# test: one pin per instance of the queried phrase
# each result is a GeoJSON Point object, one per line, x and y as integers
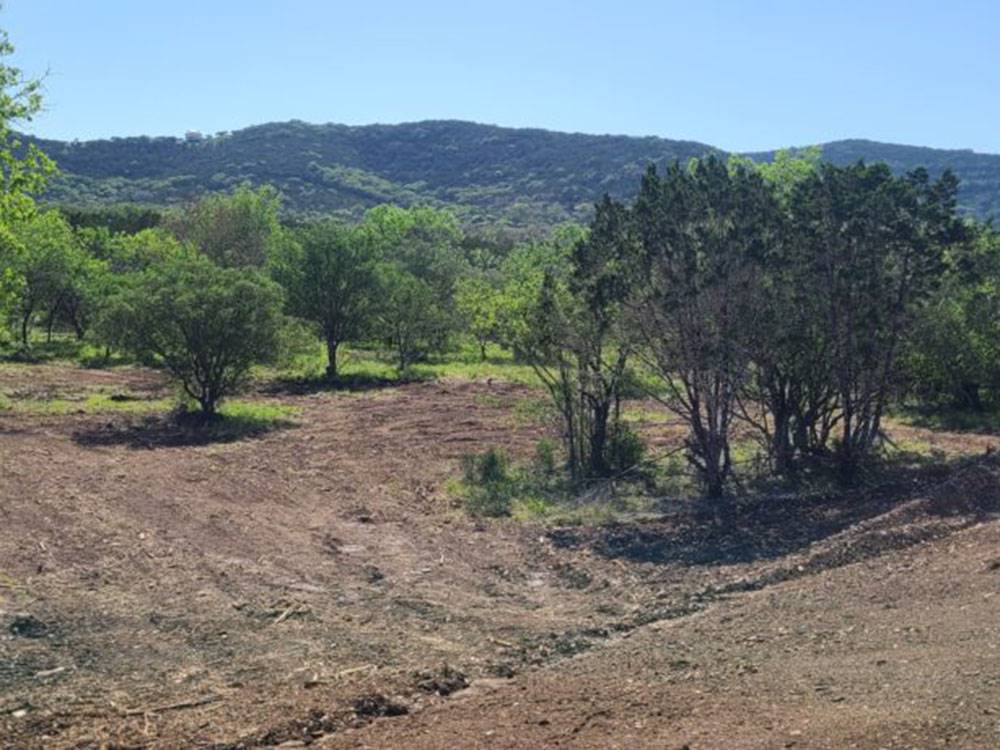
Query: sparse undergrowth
{"type": "Point", "coordinates": [540, 491]}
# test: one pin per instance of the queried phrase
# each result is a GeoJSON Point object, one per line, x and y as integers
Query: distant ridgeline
{"type": "Point", "coordinates": [485, 174]}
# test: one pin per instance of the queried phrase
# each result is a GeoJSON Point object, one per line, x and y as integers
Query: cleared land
{"type": "Point", "coordinates": [307, 576]}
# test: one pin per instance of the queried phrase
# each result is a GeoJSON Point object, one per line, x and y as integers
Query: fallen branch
{"type": "Point", "coordinates": [295, 609]}
{"type": "Point", "coordinates": [49, 672]}
{"type": "Point", "coordinates": [354, 670]}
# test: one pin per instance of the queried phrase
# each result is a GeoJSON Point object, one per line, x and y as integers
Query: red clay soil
{"type": "Point", "coordinates": [315, 584]}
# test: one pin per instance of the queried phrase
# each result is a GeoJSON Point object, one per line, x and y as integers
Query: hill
{"type": "Point", "coordinates": [522, 177]}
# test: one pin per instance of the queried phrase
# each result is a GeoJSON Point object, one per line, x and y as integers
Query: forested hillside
{"type": "Point", "coordinates": [521, 177]}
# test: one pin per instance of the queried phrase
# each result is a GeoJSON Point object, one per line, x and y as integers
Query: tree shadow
{"type": "Point", "coordinates": [179, 430]}
{"type": "Point", "coordinates": [768, 526]}
{"type": "Point", "coordinates": [42, 351]}
{"type": "Point", "coordinates": [358, 383]}
{"type": "Point", "coordinates": [981, 422]}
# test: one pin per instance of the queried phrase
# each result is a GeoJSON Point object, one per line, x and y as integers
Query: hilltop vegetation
{"type": "Point", "coordinates": [487, 175]}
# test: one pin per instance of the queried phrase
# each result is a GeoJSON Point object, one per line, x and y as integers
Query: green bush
{"type": "Point", "coordinates": [206, 326]}
{"type": "Point", "coordinates": [489, 485]}
{"type": "Point", "coordinates": [625, 448]}
{"type": "Point", "coordinates": [545, 458]}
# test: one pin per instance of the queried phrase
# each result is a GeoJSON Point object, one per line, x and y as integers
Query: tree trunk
{"type": "Point", "coordinates": [25, 326]}
{"type": "Point", "coordinates": [781, 445]}
{"type": "Point", "coordinates": [331, 358]}
{"type": "Point", "coordinates": [599, 440]}
{"type": "Point", "coordinates": [971, 397]}
{"type": "Point", "coordinates": [207, 405]}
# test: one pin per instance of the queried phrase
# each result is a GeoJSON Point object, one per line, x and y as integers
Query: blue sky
{"type": "Point", "coordinates": [739, 75]}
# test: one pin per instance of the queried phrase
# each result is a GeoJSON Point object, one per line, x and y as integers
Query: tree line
{"type": "Point", "coordinates": [796, 299]}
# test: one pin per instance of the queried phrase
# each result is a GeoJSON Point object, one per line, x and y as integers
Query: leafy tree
{"type": "Point", "coordinates": [409, 316]}
{"type": "Point", "coordinates": [46, 264]}
{"type": "Point", "coordinates": [703, 230]}
{"type": "Point", "coordinates": [24, 172]}
{"type": "Point", "coordinates": [89, 285]}
{"type": "Point", "coordinates": [565, 317]}
{"type": "Point", "coordinates": [424, 243]}
{"type": "Point", "coordinates": [239, 230]}
{"type": "Point", "coordinates": [126, 253]}
{"type": "Point", "coordinates": [24, 168]}
{"type": "Point", "coordinates": [953, 354]}
{"type": "Point", "coordinates": [205, 325]}
{"type": "Point", "coordinates": [478, 303]}
{"type": "Point", "coordinates": [11, 280]}
{"type": "Point", "coordinates": [790, 397]}
{"type": "Point", "coordinates": [874, 248]}
{"type": "Point", "coordinates": [331, 279]}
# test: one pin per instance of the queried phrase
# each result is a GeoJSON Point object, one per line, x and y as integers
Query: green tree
{"type": "Point", "coordinates": [565, 315]}
{"type": "Point", "coordinates": [478, 304]}
{"type": "Point", "coordinates": [24, 171]}
{"type": "Point", "coordinates": [873, 248]}
{"type": "Point", "coordinates": [409, 316]}
{"type": "Point", "coordinates": [703, 230]}
{"type": "Point", "coordinates": [239, 230]}
{"type": "Point", "coordinates": [425, 244]}
{"type": "Point", "coordinates": [46, 263]}
{"type": "Point", "coordinates": [207, 326]}
{"type": "Point", "coordinates": [330, 278]}
{"type": "Point", "coordinates": [953, 353]}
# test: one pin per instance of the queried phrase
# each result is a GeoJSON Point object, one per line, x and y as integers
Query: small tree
{"type": "Point", "coordinates": [330, 278]}
{"type": "Point", "coordinates": [206, 325]}
{"type": "Point", "coordinates": [703, 230]}
{"type": "Point", "coordinates": [953, 353]}
{"type": "Point", "coordinates": [875, 247]}
{"type": "Point", "coordinates": [46, 264]}
{"type": "Point", "coordinates": [424, 244]}
{"type": "Point", "coordinates": [565, 315]}
{"type": "Point", "coordinates": [478, 304]}
{"type": "Point", "coordinates": [410, 317]}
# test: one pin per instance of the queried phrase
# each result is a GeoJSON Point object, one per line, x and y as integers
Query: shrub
{"type": "Point", "coordinates": [545, 458]}
{"type": "Point", "coordinates": [207, 326]}
{"type": "Point", "coordinates": [490, 487]}
{"type": "Point", "coordinates": [625, 448]}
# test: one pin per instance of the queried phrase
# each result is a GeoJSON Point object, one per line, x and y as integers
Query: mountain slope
{"type": "Point", "coordinates": [523, 177]}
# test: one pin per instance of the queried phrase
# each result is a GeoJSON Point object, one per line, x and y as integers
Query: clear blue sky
{"type": "Point", "coordinates": [740, 75]}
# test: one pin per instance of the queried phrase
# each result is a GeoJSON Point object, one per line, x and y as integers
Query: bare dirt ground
{"type": "Point", "coordinates": [316, 585]}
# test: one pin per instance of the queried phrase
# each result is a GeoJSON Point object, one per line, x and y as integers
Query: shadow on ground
{"type": "Point", "coordinates": [173, 431]}
{"type": "Point", "coordinates": [772, 526]}
{"type": "Point", "coordinates": [346, 383]}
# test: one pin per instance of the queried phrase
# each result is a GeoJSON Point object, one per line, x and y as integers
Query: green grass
{"type": "Point", "coordinates": [98, 403]}
{"type": "Point", "coordinates": [257, 412]}
{"type": "Point", "coordinates": [247, 412]}
{"type": "Point", "coordinates": [570, 511]}
{"type": "Point", "coordinates": [951, 420]}
{"type": "Point", "coordinates": [540, 492]}
{"type": "Point", "coordinates": [533, 411]}
{"type": "Point", "coordinates": [63, 348]}
{"type": "Point", "coordinates": [361, 364]}
{"type": "Point", "coordinates": [640, 415]}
